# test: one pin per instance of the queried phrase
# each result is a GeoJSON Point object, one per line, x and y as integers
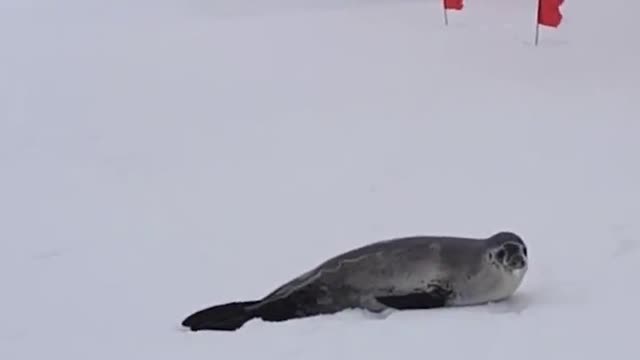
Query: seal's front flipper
{"type": "Point", "coordinates": [435, 297]}
{"type": "Point", "coordinates": [225, 317]}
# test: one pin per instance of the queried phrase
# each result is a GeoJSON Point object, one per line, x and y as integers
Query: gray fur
{"type": "Point", "coordinates": [466, 269]}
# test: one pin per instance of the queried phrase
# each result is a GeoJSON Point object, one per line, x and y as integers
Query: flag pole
{"type": "Point", "coordinates": [537, 25]}
{"type": "Point", "coordinates": [446, 17]}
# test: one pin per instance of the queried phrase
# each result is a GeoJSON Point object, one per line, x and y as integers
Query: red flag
{"type": "Point", "coordinates": [549, 12]}
{"type": "Point", "coordinates": [453, 4]}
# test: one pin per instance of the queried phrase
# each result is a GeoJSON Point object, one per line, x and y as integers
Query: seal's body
{"type": "Point", "coordinates": [418, 272]}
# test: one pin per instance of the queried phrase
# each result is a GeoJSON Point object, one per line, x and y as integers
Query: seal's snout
{"type": "Point", "coordinates": [517, 262]}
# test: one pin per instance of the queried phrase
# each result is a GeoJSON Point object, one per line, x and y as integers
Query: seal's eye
{"type": "Point", "coordinates": [524, 251]}
{"type": "Point", "coordinates": [500, 254]}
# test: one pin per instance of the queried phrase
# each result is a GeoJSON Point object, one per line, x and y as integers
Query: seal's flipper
{"type": "Point", "coordinates": [418, 300]}
{"type": "Point", "coordinates": [225, 317]}
{"type": "Point", "coordinates": [301, 303]}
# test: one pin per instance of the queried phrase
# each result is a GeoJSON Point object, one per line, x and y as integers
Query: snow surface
{"type": "Point", "coordinates": [161, 156]}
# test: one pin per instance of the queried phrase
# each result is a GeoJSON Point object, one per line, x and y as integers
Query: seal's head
{"type": "Point", "coordinates": [507, 251]}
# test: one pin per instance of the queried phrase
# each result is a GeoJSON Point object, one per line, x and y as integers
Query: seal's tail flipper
{"type": "Point", "coordinates": [225, 317]}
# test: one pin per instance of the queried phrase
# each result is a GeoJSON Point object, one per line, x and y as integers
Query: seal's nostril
{"type": "Point", "coordinates": [517, 261]}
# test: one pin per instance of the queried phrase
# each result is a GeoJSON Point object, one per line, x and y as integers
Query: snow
{"type": "Point", "coordinates": [161, 156]}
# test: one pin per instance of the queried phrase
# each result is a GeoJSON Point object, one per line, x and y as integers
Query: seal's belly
{"type": "Point", "coordinates": [491, 289]}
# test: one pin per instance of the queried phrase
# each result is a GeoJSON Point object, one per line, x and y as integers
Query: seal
{"type": "Point", "coordinates": [417, 272]}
